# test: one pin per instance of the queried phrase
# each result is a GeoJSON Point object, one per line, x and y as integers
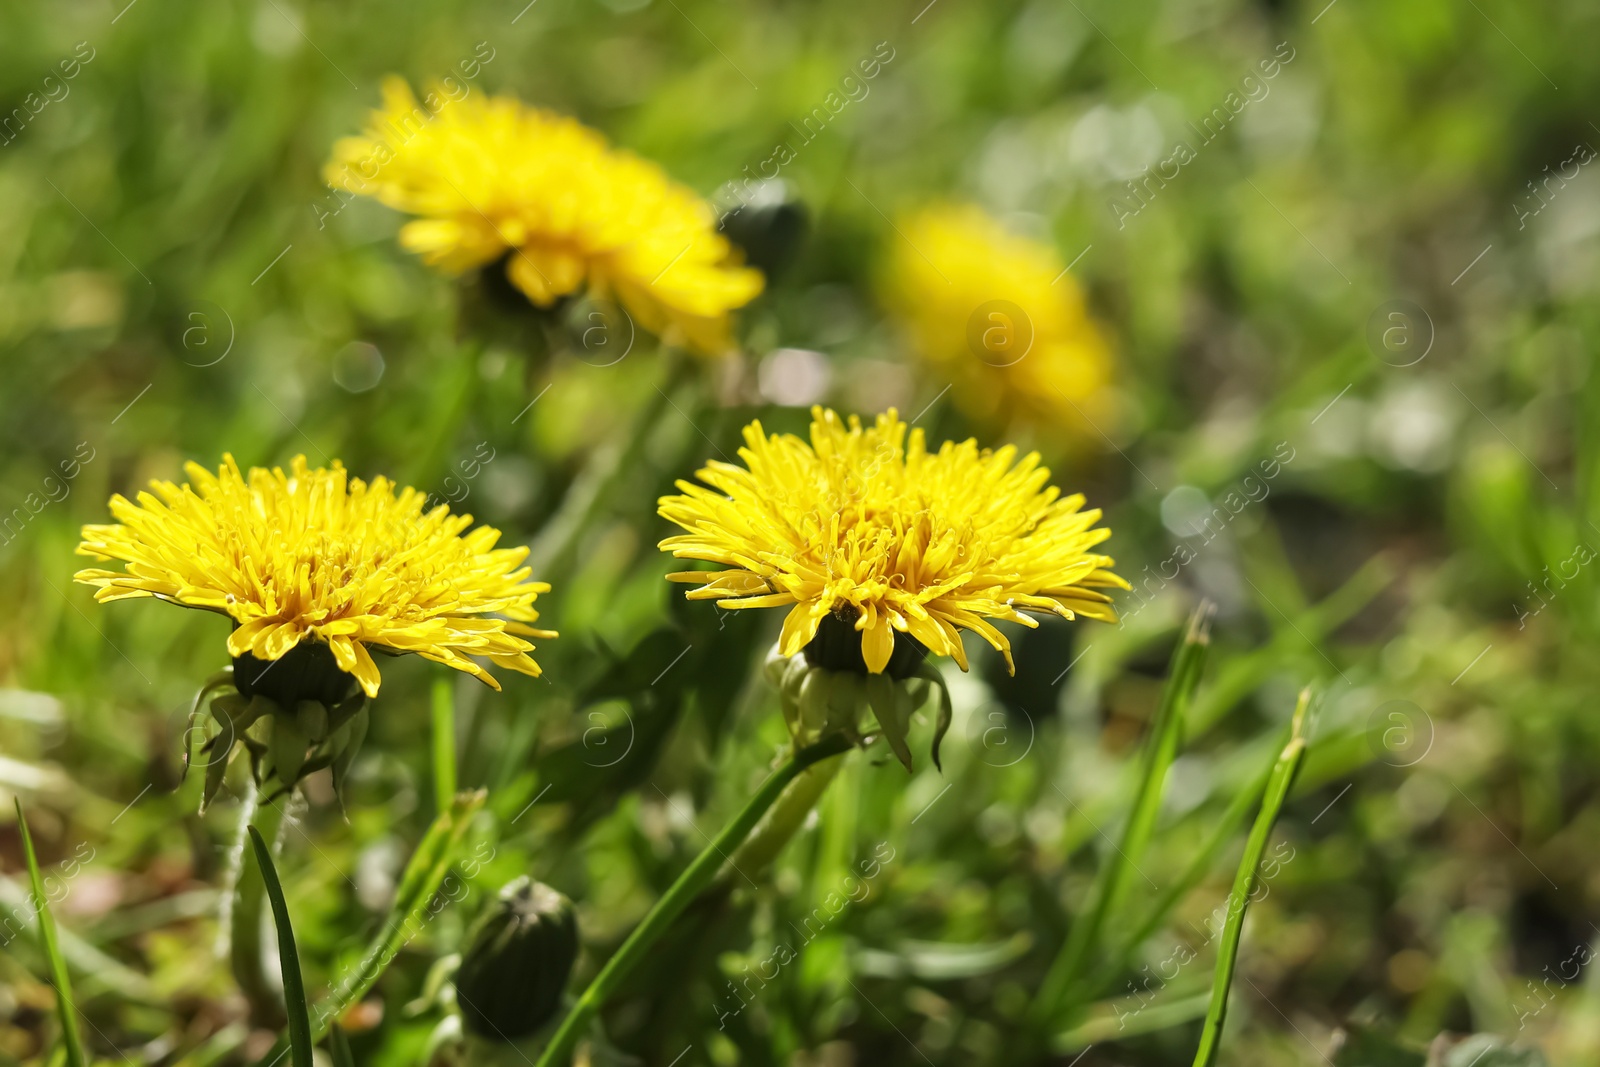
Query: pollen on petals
{"type": "Point", "coordinates": [867, 524]}
{"type": "Point", "coordinates": [314, 555]}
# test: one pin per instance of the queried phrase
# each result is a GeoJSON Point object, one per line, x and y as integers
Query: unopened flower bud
{"type": "Point", "coordinates": [517, 961]}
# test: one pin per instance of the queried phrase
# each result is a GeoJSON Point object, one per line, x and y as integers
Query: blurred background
{"type": "Point", "coordinates": [1321, 350]}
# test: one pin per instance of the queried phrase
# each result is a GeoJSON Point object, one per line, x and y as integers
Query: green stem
{"type": "Point", "coordinates": [247, 904]}
{"type": "Point", "coordinates": [444, 746]}
{"type": "Point", "coordinates": [683, 891]}
{"type": "Point", "coordinates": [1188, 661]}
{"type": "Point", "coordinates": [780, 824]}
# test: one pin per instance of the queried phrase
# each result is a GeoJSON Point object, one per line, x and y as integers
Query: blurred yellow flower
{"type": "Point", "coordinates": [490, 177]}
{"type": "Point", "coordinates": [864, 528]}
{"type": "Point", "coordinates": [998, 317]}
{"type": "Point", "coordinates": [314, 556]}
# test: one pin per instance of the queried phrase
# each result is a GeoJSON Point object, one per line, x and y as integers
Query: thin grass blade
{"type": "Point", "coordinates": [70, 1038]}
{"type": "Point", "coordinates": [294, 987]}
{"type": "Point", "coordinates": [339, 1047]}
{"type": "Point", "coordinates": [1188, 663]}
{"type": "Point", "coordinates": [1244, 882]}
{"type": "Point", "coordinates": [421, 879]}
{"type": "Point", "coordinates": [1230, 821]}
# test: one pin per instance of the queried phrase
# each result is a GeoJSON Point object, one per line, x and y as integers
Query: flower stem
{"type": "Point", "coordinates": [779, 826]}
{"type": "Point", "coordinates": [247, 904]}
{"type": "Point", "coordinates": [688, 886]}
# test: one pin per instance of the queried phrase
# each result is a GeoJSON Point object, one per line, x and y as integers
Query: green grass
{"type": "Point", "coordinates": [294, 989]}
{"type": "Point", "coordinates": [1419, 542]}
{"type": "Point", "coordinates": [66, 1011]}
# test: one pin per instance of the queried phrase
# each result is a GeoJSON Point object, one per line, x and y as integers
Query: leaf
{"type": "Point", "coordinates": [1244, 882]}
{"type": "Point", "coordinates": [1124, 1017]}
{"type": "Point", "coordinates": [52, 950]}
{"type": "Point", "coordinates": [941, 961]}
{"type": "Point", "coordinates": [1486, 1050]}
{"type": "Point", "coordinates": [294, 989]}
{"type": "Point", "coordinates": [1183, 678]}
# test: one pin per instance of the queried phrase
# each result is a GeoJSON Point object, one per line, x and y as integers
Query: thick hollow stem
{"type": "Point", "coordinates": [784, 819]}
{"type": "Point", "coordinates": [247, 904]}
{"type": "Point", "coordinates": [688, 886]}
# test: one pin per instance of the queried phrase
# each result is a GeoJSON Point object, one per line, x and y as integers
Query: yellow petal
{"type": "Point", "coordinates": [799, 627]}
{"type": "Point", "coordinates": [365, 670]}
{"type": "Point", "coordinates": [877, 645]}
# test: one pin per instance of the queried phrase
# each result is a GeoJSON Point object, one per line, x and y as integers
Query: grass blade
{"type": "Point", "coordinates": [294, 988]}
{"type": "Point", "coordinates": [444, 745]}
{"type": "Point", "coordinates": [339, 1047]}
{"type": "Point", "coordinates": [1129, 1017]}
{"type": "Point", "coordinates": [1232, 818]}
{"type": "Point", "coordinates": [1188, 662]}
{"type": "Point", "coordinates": [420, 880]}
{"type": "Point", "coordinates": [70, 1038]}
{"type": "Point", "coordinates": [695, 877]}
{"type": "Point", "coordinates": [1244, 882]}
{"type": "Point", "coordinates": [422, 877]}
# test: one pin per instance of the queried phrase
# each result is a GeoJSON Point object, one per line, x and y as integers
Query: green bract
{"type": "Point", "coordinates": [818, 702]}
{"type": "Point", "coordinates": [286, 738]}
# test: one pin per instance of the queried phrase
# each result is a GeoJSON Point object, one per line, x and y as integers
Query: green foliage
{"type": "Point", "coordinates": [66, 1010]}
{"type": "Point", "coordinates": [1279, 780]}
{"type": "Point", "coordinates": [174, 284]}
{"type": "Point", "coordinates": [294, 989]}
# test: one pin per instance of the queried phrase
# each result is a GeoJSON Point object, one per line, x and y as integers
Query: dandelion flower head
{"type": "Point", "coordinates": [314, 556]}
{"type": "Point", "coordinates": [868, 526]}
{"type": "Point", "coordinates": [1000, 316]}
{"type": "Point", "coordinates": [489, 178]}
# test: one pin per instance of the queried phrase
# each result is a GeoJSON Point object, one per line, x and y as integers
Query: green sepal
{"type": "Point", "coordinates": [288, 748]}
{"type": "Point", "coordinates": [312, 718]}
{"type": "Point", "coordinates": [892, 710]}
{"type": "Point", "coordinates": [813, 703]}
{"type": "Point", "coordinates": [217, 681]}
{"type": "Point", "coordinates": [215, 771]}
{"type": "Point", "coordinates": [927, 672]}
{"type": "Point", "coordinates": [355, 733]}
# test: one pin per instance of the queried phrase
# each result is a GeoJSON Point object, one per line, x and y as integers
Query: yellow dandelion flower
{"type": "Point", "coordinates": [316, 558]}
{"type": "Point", "coordinates": [491, 178]}
{"type": "Point", "coordinates": [999, 316]}
{"type": "Point", "coordinates": [865, 528]}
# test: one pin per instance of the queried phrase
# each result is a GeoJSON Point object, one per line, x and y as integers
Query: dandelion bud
{"type": "Point", "coordinates": [517, 961]}
{"type": "Point", "coordinates": [770, 227]}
